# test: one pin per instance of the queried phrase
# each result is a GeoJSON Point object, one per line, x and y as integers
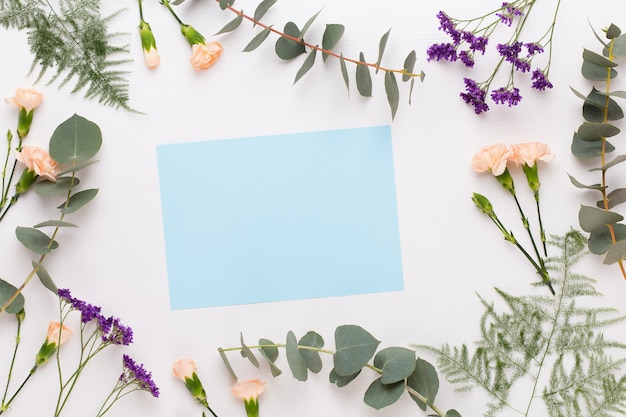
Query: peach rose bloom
{"type": "Point", "coordinates": [26, 99]}
{"type": "Point", "coordinates": [54, 330]}
{"type": "Point", "coordinates": [530, 152]}
{"type": "Point", "coordinates": [184, 368]}
{"type": "Point", "coordinates": [492, 158]}
{"type": "Point", "coordinates": [39, 160]}
{"type": "Point", "coordinates": [152, 58]}
{"type": "Point", "coordinates": [248, 390]}
{"type": "Point", "coordinates": [203, 56]}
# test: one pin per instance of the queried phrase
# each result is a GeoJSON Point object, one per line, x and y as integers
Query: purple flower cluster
{"type": "Point", "coordinates": [510, 53]}
{"type": "Point", "coordinates": [540, 82]}
{"type": "Point", "coordinates": [136, 374]}
{"type": "Point", "coordinates": [448, 51]}
{"type": "Point", "coordinates": [508, 13]}
{"type": "Point", "coordinates": [111, 329]}
{"type": "Point", "coordinates": [475, 96]}
{"type": "Point", "coordinates": [503, 96]}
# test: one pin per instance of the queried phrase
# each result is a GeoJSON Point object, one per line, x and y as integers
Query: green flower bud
{"type": "Point", "coordinates": [483, 204]}
{"type": "Point", "coordinates": [27, 179]}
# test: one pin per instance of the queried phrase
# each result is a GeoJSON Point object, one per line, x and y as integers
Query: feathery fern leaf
{"type": "Point", "coordinates": [71, 43]}
{"type": "Point", "coordinates": [545, 344]}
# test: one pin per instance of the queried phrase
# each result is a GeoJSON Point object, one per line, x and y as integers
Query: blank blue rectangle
{"type": "Point", "coordinates": [281, 217]}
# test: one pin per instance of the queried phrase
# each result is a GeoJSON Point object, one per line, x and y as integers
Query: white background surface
{"type": "Point", "coordinates": [116, 259]}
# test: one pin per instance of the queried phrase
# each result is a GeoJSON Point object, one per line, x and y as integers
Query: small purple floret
{"type": "Point", "coordinates": [504, 96]}
{"type": "Point", "coordinates": [445, 51]}
{"type": "Point", "coordinates": [540, 82]}
{"type": "Point", "coordinates": [475, 96]}
{"type": "Point", "coordinates": [136, 374]}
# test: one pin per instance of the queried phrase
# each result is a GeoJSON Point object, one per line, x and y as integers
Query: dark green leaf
{"type": "Point", "coordinates": [344, 73]}
{"type": "Point", "coordinates": [613, 32]}
{"type": "Point", "coordinates": [246, 352]}
{"type": "Point", "coordinates": [341, 381]}
{"type": "Point", "coordinates": [308, 24]}
{"type": "Point", "coordinates": [593, 72]}
{"type": "Point", "coordinates": [44, 277]}
{"type": "Point", "coordinates": [54, 223]}
{"type": "Point", "coordinates": [306, 65]}
{"type": "Point", "coordinates": [270, 352]}
{"type": "Point", "coordinates": [35, 240]}
{"type": "Point", "coordinates": [75, 140]}
{"type": "Point", "coordinates": [597, 59]}
{"type": "Point", "coordinates": [452, 413]}
{"type": "Point", "coordinates": [615, 197]}
{"type": "Point", "coordinates": [586, 149]}
{"type": "Point", "coordinates": [355, 347]}
{"type": "Point", "coordinates": [600, 240]}
{"type": "Point", "coordinates": [61, 186]}
{"type": "Point", "coordinates": [288, 48]}
{"type": "Point", "coordinates": [232, 25]}
{"type": "Point", "coordinates": [382, 44]}
{"type": "Point", "coordinates": [311, 357]}
{"type": "Point", "coordinates": [225, 3]}
{"type": "Point", "coordinates": [397, 363]}
{"type": "Point", "coordinates": [409, 66]}
{"type": "Point", "coordinates": [6, 292]}
{"type": "Point", "coordinates": [616, 253]}
{"type": "Point", "coordinates": [379, 395]}
{"type": "Point", "coordinates": [596, 131]}
{"type": "Point", "coordinates": [257, 40]}
{"type": "Point", "coordinates": [592, 218]}
{"type": "Point", "coordinates": [619, 46]}
{"type": "Point", "coordinates": [424, 380]}
{"type": "Point", "coordinates": [595, 107]}
{"type": "Point", "coordinates": [294, 359]}
{"type": "Point", "coordinates": [227, 363]}
{"type": "Point", "coordinates": [262, 8]}
{"type": "Point", "coordinates": [363, 78]}
{"type": "Point", "coordinates": [78, 200]}
{"type": "Point", "coordinates": [393, 95]}
{"type": "Point", "coordinates": [330, 39]}
{"type": "Point", "coordinates": [579, 184]}
{"type": "Point", "coordinates": [77, 167]}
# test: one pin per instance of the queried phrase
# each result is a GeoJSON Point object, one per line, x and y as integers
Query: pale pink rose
{"type": "Point", "coordinates": [39, 160]}
{"type": "Point", "coordinates": [203, 56]}
{"type": "Point", "coordinates": [184, 368]}
{"type": "Point", "coordinates": [152, 58]}
{"type": "Point", "coordinates": [530, 152]}
{"type": "Point", "coordinates": [492, 158]}
{"type": "Point", "coordinates": [26, 99]}
{"type": "Point", "coordinates": [248, 390]}
{"type": "Point", "coordinates": [55, 330]}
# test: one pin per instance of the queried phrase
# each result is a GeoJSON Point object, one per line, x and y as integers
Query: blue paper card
{"type": "Point", "coordinates": [281, 217]}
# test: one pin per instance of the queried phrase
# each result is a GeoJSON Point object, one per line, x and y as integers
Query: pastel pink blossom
{"type": "Point", "coordinates": [492, 158]}
{"type": "Point", "coordinates": [248, 390]}
{"type": "Point", "coordinates": [184, 368]}
{"type": "Point", "coordinates": [26, 99]}
{"type": "Point", "coordinates": [152, 58]}
{"type": "Point", "coordinates": [530, 152]}
{"type": "Point", "coordinates": [38, 160]}
{"type": "Point", "coordinates": [203, 56]}
{"type": "Point", "coordinates": [55, 330]}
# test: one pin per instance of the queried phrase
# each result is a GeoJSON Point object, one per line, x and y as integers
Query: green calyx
{"type": "Point", "coordinates": [27, 179]}
{"type": "Point", "coordinates": [506, 180]}
{"type": "Point", "coordinates": [252, 407]}
{"type": "Point", "coordinates": [147, 37]}
{"type": "Point", "coordinates": [192, 35]}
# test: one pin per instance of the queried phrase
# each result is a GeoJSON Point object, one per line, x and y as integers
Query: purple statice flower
{"type": "Point", "coordinates": [466, 58]}
{"type": "Point", "coordinates": [511, 54]}
{"type": "Point", "coordinates": [445, 51]}
{"type": "Point", "coordinates": [478, 43]}
{"type": "Point", "coordinates": [475, 96]}
{"type": "Point", "coordinates": [508, 13]}
{"type": "Point", "coordinates": [505, 96]}
{"type": "Point", "coordinates": [88, 311]}
{"type": "Point", "coordinates": [136, 374]}
{"type": "Point", "coordinates": [114, 332]}
{"type": "Point", "coordinates": [533, 48]}
{"type": "Point", "coordinates": [540, 82]}
{"type": "Point", "coordinates": [447, 26]}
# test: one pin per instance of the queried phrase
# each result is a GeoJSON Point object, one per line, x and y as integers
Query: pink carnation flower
{"type": "Point", "coordinates": [492, 158]}
{"type": "Point", "coordinates": [530, 152]}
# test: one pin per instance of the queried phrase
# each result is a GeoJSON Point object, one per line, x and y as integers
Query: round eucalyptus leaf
{"type": "Point", "coordinates": [589, 149]}
{"type": "Point", "coordinates": [312, 358]}
{"type": "Point", "coordinates": [341, 381]}
{"type": "Point", "coordinates": [287, 48]}
{"type": "Point", "coordinates": [60, 186]}
{"type": "Point", "coordinates": [592, 218]}
{"type": "Point", "coordinates": [75, 140]}
{"type": "Point", "coordinates": [593, 72]}
{"type": "Point", "coordinates": [35, 240]}
{"type": "Point", "coordinates": [355, 347]}
{"type": "Point", "coordinates": [294, 359]}
{"type": "Point", "coordinates": [78, 200]}
{"type": "Point", "coordinates": [379, 395]}
{"type": "Point", "coordinates": [330, 38]}
{"type": "Point", "coordinates": [600, 240]}
{"type": "Point", "coordinates": [424, 380]}
{"type": "Point", "coordinates": [6, 292]}
{"type": "Point", "coordinates": [596, 131]}
{"type": "Point", "coordinates": [616, 253]}
{"type": "Point", "coordinates": [397, 363]}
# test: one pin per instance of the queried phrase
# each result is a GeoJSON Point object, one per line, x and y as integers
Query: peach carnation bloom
{"type": "Point", "coordinates": [38, 160]}
{"type": "Point", "coordinates": [492, 158]}
{"type": "Point", "coordinates": [55, 330]}
{"type": "Point", "coordinates": [152, 58]}
{"type": "Point", "coordinates": [203, 56]}
{"type": "Point", "coordinates": [530, 152]}
{"type": "Point", "coordinates": [26, 99]}
{"type": "Point", "coordinates": [248, 390]}
{"type": "Point", "coordinates": [184, 368]}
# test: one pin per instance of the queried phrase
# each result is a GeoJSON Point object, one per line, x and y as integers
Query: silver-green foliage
{"type": "Point", "coordinates": [551, 345]}
{"type": "Point", "coordinates": [70, 42]}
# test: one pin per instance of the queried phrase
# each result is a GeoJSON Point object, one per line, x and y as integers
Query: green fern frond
{"type": "Point", "coordinates": [71, 43]}
{"type": "Point", "coordinates": [537, 336]}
